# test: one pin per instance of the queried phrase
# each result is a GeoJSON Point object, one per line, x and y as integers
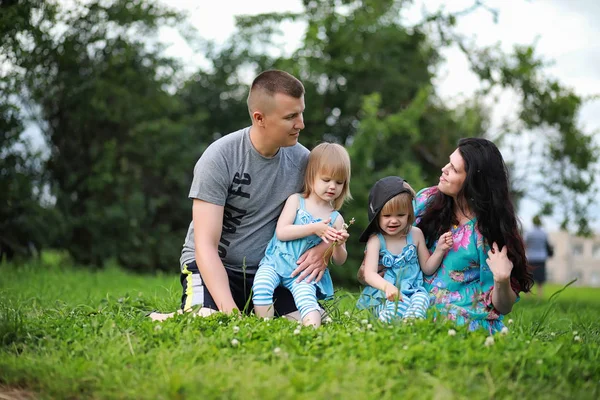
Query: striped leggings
{"type": "Point", "coordinates": [411, 307]}
{"type": "Point", "coordinates": [267, 279]}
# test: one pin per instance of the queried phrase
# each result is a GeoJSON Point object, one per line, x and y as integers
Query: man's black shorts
{"type": "Point", "coordinates": [195, 292]}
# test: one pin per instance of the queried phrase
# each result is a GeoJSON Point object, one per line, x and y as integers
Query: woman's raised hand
{"type": "Point", "coordinates": [499, 263]}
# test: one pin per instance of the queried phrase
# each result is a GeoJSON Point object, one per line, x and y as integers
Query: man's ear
{"type": "Point", "coordinates": [258, 118]}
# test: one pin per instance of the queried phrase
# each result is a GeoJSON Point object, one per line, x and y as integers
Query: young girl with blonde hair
{"type": "Point", "coordinates": [400, 248]}
{"type": "Point", "coordinates": [307, 219]}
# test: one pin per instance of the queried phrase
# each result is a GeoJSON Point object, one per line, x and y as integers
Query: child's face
{"type": "Point", "coordinates": [326, 188]}
{"type": "Point", "coordinates": [393, 223]}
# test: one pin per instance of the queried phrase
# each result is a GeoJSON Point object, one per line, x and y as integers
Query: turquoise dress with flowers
{"type": "Point", "coordinates": [401, 270]}
{"type": "Point", "coordinates": [282, 255]}
{"type": "Point", "coordinates": [461, 288]}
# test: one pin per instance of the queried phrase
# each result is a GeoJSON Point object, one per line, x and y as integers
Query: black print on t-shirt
{"type": "Point", "coordinates": [232, 216]}
{"type": "Point", "coordinates": [244, 181]}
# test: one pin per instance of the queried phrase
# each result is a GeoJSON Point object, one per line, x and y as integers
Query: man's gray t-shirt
{"type": "Point", "coordinates": [252, 189]}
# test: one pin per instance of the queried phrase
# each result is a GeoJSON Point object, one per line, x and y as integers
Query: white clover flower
{"type": "Point", "coordinates": [510, 321]}
{"type": "Point", "coordinates": [236, 329]}
{"type": "Point", "coordinates": [235, 342]}
{"type": "Point", "coordinates": [296, 331]}
{"type": "Point", "coordinates": [575, 333]}
{"type": "Point", "coordinates": [276, 350]}
{"type": "Point", "coordinates": [364, 322]}
{"type": "Point", "coordinates": [489, 341]}
{"type": "Point", "coordinates": [327, 320]}
{"type": "Point", "coordinates": [552, 334]}
{"type": "Point", "coordinates": [157, 328]}
{"type": "Point", "coordinates": [504, 330]}
{"type": "Point", "coordinates": [451, 332]}
{"type": "Point", "coordinates": [369, 326]}
{"type": "Point", "coordinates": [266, 318]}
{"type": "Point", "coordinates": [220, 322]}
{"type": "Point", "coordinates": [539, 362]}
{"type": "Point", "coordinates": [577, 338]}
{"type": "Point", "coordinates": [347, 313]}
{"type": "Point", "coordinates": [405, 347]}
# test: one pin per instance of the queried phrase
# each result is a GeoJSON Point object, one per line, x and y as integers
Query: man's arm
{"type": "Point", "coordinates": [208, 224]}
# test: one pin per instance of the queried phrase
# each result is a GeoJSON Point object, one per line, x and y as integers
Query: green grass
{"type": "Point", "coordinates": [70, 333]}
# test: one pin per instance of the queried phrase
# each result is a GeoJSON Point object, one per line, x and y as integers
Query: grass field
{"type": "Point", "coordinates": [71, 333]}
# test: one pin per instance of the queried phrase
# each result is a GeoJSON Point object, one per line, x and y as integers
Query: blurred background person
{"type": "Point", "coordinates": [538, 251]}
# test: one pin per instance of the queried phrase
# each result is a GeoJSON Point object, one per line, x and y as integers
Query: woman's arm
{"type": "Point", "coordinates": [503, 296]}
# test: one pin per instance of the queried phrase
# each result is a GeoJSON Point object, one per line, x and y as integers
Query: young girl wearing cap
{"type": "Point", "coordinates": [307, 219]}
{"type": "Point", "coordinates": [400, 248]}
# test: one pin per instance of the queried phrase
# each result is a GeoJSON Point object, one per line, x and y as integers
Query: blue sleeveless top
{"type": "Point", "coordinates": [402, 270]}
{"type": "Point", "coordinates": [282, 255]}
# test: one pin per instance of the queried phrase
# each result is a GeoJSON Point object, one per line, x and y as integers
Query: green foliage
{"type": "Point", "coordinates": [124, 126]}
{"type": "Point", "coordinates": [92, 325]}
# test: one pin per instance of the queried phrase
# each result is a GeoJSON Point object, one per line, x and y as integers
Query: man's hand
{"type": "Point", "coordinates": [311, 265]}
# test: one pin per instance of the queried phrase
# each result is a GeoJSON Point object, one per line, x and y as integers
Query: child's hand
{"type": "Point", "coordinates": [392, 293]}
{"type": "Point", "coordinates": [343, 236]}
{"type": "Point", "coordinates": [324, 231]}
{"type": "Point", "coordinates": [445, 242]}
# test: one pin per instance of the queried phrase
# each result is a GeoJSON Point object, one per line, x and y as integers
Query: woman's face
{"type": "Point", "coordinates": [453, 175]}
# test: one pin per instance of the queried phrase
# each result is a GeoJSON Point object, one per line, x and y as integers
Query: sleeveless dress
{"type": "Point", "coordinates": [461, 288]}
{"type": "Point", "coordinates": [402, 270]}
{"type": "Point", "coordinates": [282, 255]}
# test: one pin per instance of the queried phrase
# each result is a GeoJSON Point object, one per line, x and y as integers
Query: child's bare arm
{"type": "Point", "coordinates": [340, 254]}
{"type": "Point", "coordinates": [286, 230]}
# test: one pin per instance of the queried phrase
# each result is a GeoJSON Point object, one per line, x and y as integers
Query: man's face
{"type": "Point", "coordinates": [284, 121]}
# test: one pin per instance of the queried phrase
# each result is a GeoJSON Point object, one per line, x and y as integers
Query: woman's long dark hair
{"type": "Point", "coordinates": [485, 192]}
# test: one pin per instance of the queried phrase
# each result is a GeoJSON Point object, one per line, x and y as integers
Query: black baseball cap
{"type": "Point", "coordinates": [382, 191]}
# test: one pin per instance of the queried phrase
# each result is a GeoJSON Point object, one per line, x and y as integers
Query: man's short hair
{"type": "Point", "coordinates": [272, 82]}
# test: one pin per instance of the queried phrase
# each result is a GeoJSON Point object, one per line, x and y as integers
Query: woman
{"type": "Point", "coordinates": [481, 275]}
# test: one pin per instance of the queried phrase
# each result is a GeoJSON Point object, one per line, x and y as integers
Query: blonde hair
{"type": "Point", "coordinates": [330, 159]}
{"type": "Point", "coordinates": [401, 203]}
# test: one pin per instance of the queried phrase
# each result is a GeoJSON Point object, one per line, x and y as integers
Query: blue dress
{"type": "Point", "coordinates": [282, 255]}
{"type": "Point", "coordinates": [401, 270]}
{"type": "Point", "coordinates": [461, 288]}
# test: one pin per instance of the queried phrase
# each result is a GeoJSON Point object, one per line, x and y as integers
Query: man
{"type": "Point", "coordinates": [240, 185]}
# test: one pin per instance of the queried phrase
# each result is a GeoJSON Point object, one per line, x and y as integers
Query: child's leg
{"type": "Point", "coordinates": [391, 310]}
{"type": "Point", "coordinates": [265, 282]}
{"type": "Point", "coordinates": [418, 304]}
{"type": "Point", "coordinates": [305, 297]}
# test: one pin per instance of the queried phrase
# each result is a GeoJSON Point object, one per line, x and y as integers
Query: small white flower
{"type": "Point", "coordinates": [235, 342]}
{"type": "Point", "coordinates": [575, 333]}
{"type": "Point", "coordinates": [296, 331]}
{"type": "Point", "coordinates": [267, 318]}
{"type": "Point", "coordinates": [451, 332]}
{"type": "Point", "coordinates": [347, 313]}
{"type": "Point", "coordinates": [510, 321]}
{"type": "Point", "coordinates": [364, 322]}
{"type": "Point", "coordinates": [369, 326]}
{"type": "Point", "coordinates": [539, 362]}
{"type": "Point", "coordinates": [405, 347]}
{"type": "Point", "coordinates": [552, 334]}
{"type": "Point", "coordinates": [504, 331]}
{"type": "Point", "coordinates": [528, 341]}
{"type": "Point", "coordinates": [489, 341]}
{"type": "Point", "coordinates": [236, 329]}
{"type": "Point", "coordinates": [157, 328]}
{"type": "Point", "coordinates": [276, 350]}
{"type": "Point", "coordinates": [577, 338]}
{"type": "Point", "coordinates": [327, 320]}
{"type": "Point", "coordinates": [220, 322]}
